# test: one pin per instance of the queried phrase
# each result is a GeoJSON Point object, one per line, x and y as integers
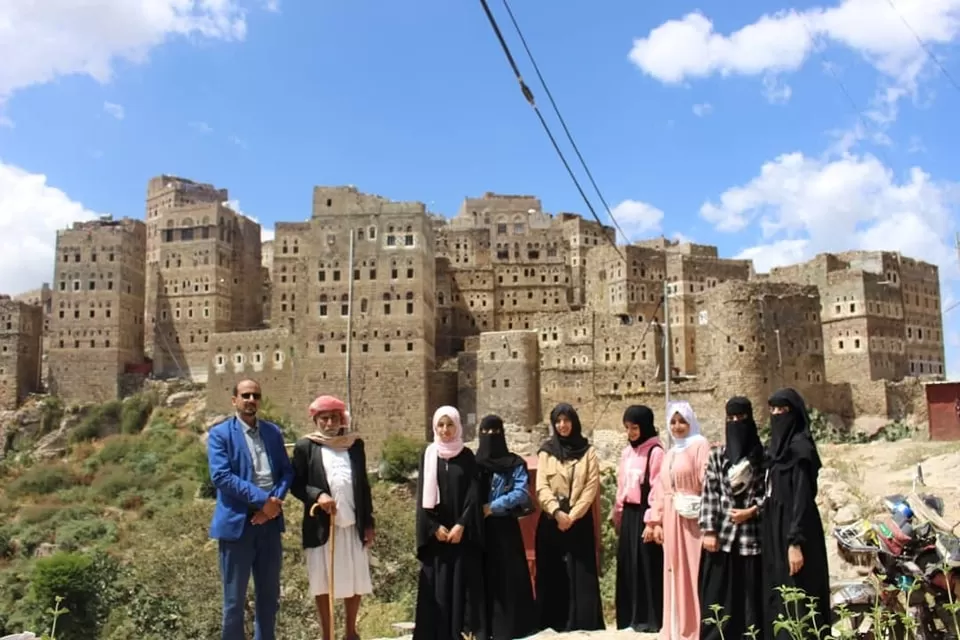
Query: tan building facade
{"type": "Point", "coordinates": [97, 319]}
{"type": "Point", "coordinates": [389, 332]}
{"type": "Point", "coordinates": [204, 274]}
{"type": "Point", "coordinates": [21, 335]}
{"type": "Point", "coordinates": [881, 314]}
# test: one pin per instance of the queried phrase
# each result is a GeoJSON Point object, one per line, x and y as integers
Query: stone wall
{"type": "Point", "coordinates": [508, 376]}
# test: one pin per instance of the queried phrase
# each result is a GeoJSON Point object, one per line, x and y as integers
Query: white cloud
{"type": "Point", "coordinates": [689, 48]}
{"type": "Point", "coordinates": [115, 110]}
{"type": "Point", "coordinates": [272, 6]}
{"type": "Point", "coordinates": [31, 213]}
{"type": "Point", "coordinates": [200, 127]}
{"type": "Point", "coordinates": [42, 41]}
{"type": "Point", "coordinates": [636, 218]}
{"type": "Point", "coordinates": [852, 198]}
{"type": "Point", "coordinates": [703, 109]}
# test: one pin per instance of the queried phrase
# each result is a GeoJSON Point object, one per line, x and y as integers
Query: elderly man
{"type": "Point", "coordinates": [250, 468]}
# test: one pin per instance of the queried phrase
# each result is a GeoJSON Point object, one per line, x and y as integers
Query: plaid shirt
{"type": "Point", "coordinates": [718, 499]}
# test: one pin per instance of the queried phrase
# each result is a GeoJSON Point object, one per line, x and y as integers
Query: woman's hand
{"type": "Point", "coordinates": [795, 558]}
{"type": "Point", "coordinates": [486, 510]}
{"type": "Point", "coordinates": [368, 537]}
{"type": "Point", "coordinates": [658, 534]}
{"type": "Point", "coordinates": [739, 516]}
{"type": "Point", "coordinates": [711, 543]}
{"type": "Point", "coordinates": [456, 534]}
{"type": "Point", "coordinates": [442, 534]}
{"type": "Point", "coordinates": [564, 521]}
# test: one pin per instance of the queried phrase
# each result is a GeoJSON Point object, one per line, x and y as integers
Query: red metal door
{"type": "Point", "coordinates": [943, 410]}
{"type": "Point", "coordinates": [528, 524]}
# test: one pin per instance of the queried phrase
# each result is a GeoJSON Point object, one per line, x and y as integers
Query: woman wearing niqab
{"type": "Point", "coordinates": [639, 595]}
{"type": "Point", "coordinates": [504, 482]}
{"type": "Point", "coordinates": [449, 536]}
{"type": "Point", "coordinates": [731, 571]}
{"type": "Point", "coordinates": [794, 547]}
{"type": "Point", "coordinates": [568, 480]}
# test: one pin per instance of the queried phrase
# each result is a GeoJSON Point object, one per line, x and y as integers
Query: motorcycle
{"type": "Point", "coordinates": [912, 560]}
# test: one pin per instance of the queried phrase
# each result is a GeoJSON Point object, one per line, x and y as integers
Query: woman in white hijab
{"type": "Point", "coordinates": [673, 521]}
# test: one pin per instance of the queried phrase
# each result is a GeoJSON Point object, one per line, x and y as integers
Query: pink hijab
{"type": "Point", "coordinates": [436, 450]}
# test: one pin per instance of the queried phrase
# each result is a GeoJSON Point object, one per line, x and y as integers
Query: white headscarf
{"type": "Point", "coordinates": [439, 449]}
{"type": "Point", "coordinates": [686, 411]}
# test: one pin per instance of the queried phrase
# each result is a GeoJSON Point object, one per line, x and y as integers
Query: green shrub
{"type": "Point", "coordinates": [42, 479]}
{"type": "Point", "coordinates": [74, 578]}
{"type": "Point", "coordinates": [79, 534]}
{"type": "Point", "coordinates": [400, 457]}
{"type": "Point", "coordinates": [608, 542]}
{"type": "Point", "coordinates": [95, 422]}
{"type": "Point", "coordinates": [269, 412]}
{"type": "Point", "coordinates": [51, 414]}
{"type": "Point", "coordinates": [136, 412]}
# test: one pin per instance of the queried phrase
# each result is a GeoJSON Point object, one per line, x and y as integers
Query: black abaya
{"type": "Point", "coordinates": [639, 573]}
{"type": "Point", "coordinates": [509, 594]}
{"type": "Point", "coordinates": [568, 587]}
{"type": "Point", "coordinates": [450, 589]}
{"type": "Point", "coordinates": [735, 583]}
{"type": "Point", "coordinates": [790, 516]}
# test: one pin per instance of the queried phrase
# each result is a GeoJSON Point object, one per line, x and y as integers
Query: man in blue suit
{"type": "Point", "coordinates": [250, 468]}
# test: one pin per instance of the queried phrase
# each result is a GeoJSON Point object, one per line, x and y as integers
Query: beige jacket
{"type": "Point", "coordinates": [579, 480]}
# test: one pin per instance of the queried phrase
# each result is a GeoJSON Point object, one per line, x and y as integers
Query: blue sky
{"type": "Point", "coordinates": [773, 130]}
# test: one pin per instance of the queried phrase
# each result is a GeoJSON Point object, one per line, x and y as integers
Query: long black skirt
{"type": "Point", "coordinates": [568, 587]}
{"type": "Point", "coordinates": [509, 593]}
{"type": "Point", "coordinates": [735, 584]}
{"type": "Point", "coordinates": [639, 575]}
{"type": "Point", "coordinates": [449, 593]}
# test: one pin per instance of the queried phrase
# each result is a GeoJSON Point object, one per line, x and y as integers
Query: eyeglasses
{"type": "Point", "coordinates": [250, 395]}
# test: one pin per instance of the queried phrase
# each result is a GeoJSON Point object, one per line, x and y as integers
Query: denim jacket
{"type": "Point", "coordinates": [502, 502]}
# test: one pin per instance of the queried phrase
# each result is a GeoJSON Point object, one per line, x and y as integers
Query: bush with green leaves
{"type": "Point", "coordinates": [77, 582]}
{"type": "Point", "coordinates": [400, 457]}
{"type": "Point", "coordinates": [42, 480]}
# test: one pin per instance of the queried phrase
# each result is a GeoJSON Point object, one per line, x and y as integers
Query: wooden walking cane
{"type": "Point", "coordinates": [333, 541]}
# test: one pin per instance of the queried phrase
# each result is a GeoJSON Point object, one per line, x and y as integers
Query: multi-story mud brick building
{"type": "Point", "coordinates": [204, 274]}
{"type": "Point", "coordinates": [503, 307]}
{"type": "Point", "coordinates": [97, 319]}
{"type": "Point", "coordinates": [21, 333]}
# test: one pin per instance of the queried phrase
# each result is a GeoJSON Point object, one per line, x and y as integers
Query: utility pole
{"type": "Point", "coordinates": [667, 373]}
{"type": "Point", "coordinates": [350, 323]}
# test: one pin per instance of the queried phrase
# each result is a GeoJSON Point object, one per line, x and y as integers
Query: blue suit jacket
{"type": "Point", "coordinates": [231, 470]}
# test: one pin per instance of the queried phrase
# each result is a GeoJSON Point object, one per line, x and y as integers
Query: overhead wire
{"type": "Point", "coordinates": [923, 45]}
{"type": "Point", "coordinates": [560, 118]}
{"type": "Point", "coordinates": [528, 96]}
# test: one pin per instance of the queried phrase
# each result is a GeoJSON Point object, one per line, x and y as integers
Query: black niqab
{"type": "Point", "coordinates": [493, 454]}
{"type": "Point", "coordinates": [790, 440]}
{"type": "Point", "coordinates": [742, 437]}
{"type": "Point", "coordinates": [642, 416]}
{"type": "Point", "coordinates": [571, 447]}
